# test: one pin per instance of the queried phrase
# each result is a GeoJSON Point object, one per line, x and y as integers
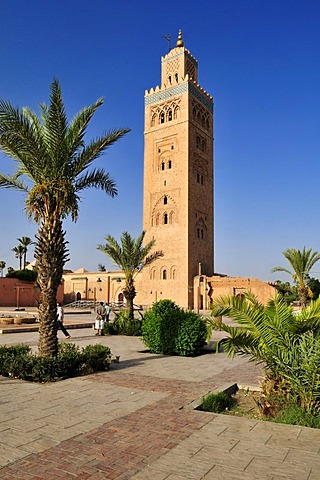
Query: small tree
{"type": "Point", "coordinates": [301, 263]}
{"type": "Point", "coordinates": [131, 256]}
{"type": "Point", "coordinates": [25, 242]}
{"type": "Point", "coordinates": [19, 252]}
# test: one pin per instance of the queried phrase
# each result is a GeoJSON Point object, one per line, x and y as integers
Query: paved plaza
{"type": "Point", "coordinates": [137, 421]}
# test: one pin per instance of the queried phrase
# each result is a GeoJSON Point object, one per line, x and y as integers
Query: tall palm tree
{"type": "Point", "coordinates": [53, 168]}
{"type": "Point", "coordinates": [301, 263]}
{"type": "Point", "coordinates": [2, 266]}
{"type": "Point", "coordinates": [131, 256]}
{"type": "Point", "coordinates": [19, 252]}
{"type": "Point", "coordinates": [25, 242]}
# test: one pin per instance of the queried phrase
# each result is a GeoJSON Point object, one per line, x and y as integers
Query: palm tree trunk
{"type": "Point", "coordinates": [303, 294]}
{"type": "Point", "coordinates": [51, 255]}
{"type": "Point", "coordinates": [130, 293]}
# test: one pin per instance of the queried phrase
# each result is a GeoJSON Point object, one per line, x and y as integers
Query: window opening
{"type": "Point", "coordinates": [165, 219]}
{"type": "Point", "coordinates": [164, 275]}
{"type": "Point", "coordinates": [165, 200]}
{"type": "Point", "coordinates": [169, 164]}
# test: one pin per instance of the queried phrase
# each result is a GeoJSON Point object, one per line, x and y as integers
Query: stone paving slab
{"type": "Point", "coordinates": [130, 423]}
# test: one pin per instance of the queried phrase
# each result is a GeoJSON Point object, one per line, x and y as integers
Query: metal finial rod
{"type": "Point", "coordinates": [168, 38]}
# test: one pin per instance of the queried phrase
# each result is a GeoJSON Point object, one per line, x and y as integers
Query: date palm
{"type": "Point", "coordinates": [131, 256]}
{"type": "Point", "coordinates": [301, 263]}
{"type": "Point", "coordinates": [53, 168]}
{"type": "Point", "coordinates": [25, 242]}
{"type": "Point", "coordinates": [19, 252]}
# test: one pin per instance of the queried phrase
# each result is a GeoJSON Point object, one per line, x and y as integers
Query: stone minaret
{"type": "Point", "coordinates": [178, 180]}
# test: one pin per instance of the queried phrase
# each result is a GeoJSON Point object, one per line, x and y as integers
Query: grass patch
{"type": "Point", "coordinates": [217, 403]}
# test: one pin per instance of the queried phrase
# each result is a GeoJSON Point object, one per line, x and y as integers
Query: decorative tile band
{"type": "Point", "coordinates": [179, 89]}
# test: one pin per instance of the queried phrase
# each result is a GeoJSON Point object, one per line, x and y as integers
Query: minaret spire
{"type": "Point", "coordinates": [180, 41]}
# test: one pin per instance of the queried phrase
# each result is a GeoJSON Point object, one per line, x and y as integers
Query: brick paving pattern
{"type": "Point", "coordinates": [134, 422]}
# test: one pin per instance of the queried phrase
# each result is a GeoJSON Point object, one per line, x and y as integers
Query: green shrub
{"type": "Point", "coordinates": [96, 358]}
{"type": "Point", "coordinates": [169, 330]}
{"type": "Point", "coordinates": [160, 327]}
{"type": "Point", "coordinates": [192, 334]}
{"type": "Point", "coordinates": [25, 275]}
{"type": "Point", "coordinates": [217, 402]}
{"type": "Point", "coordinates": [123, 325]}
{"type": "Point", "coordinates": [20, 362]}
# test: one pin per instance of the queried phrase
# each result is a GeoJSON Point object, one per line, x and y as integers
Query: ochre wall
{"type": "Point", "coordinates": [14, 293]}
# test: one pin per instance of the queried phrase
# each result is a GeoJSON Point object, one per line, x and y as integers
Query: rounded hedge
{"type": "Point", "coordinates": [169, 330]}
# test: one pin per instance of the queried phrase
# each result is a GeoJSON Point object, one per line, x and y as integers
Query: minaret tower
{"type": "Point", "coordinates": [178, 180]}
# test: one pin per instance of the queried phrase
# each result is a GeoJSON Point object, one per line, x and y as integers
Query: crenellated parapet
{"type": "Point", "coordinates": [158, 94]}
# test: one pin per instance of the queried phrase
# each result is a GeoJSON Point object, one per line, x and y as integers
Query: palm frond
{"type": "Point", "coordinates": [94, 150]}
{"type": "Point", "coordinates": [13, 182]}
{"type": "Point", "coordinates": [96, 178]}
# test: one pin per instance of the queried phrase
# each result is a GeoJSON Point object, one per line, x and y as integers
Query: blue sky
{"type": "Point", "coordinates": [260, 62]}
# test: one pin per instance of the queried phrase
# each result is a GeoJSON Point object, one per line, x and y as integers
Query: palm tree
{"type": "Point", "coordinates": [53, 168]}
{"type": "Point", "coordinates": [25, 242]}
{"type": "Point", "coordinates": [131, 256]}
{"type": "Point", "coordinates": [19, 253]}
{"type": "Point", "coordinates": [2, 266]}
{"type": "Point", "coordinates": [287, 344]}
{"type": "Point", "coordinates": [301, 263]}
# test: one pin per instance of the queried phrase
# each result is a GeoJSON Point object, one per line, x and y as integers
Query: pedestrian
{"type": "Point", "coordinates": [100, 319]}
{"type": "Point", "coordinates": [60, 313]}
{"type": "Point", "coordinates": [107, 312]}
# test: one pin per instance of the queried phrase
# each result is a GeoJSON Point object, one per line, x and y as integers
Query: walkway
{"type": "Point", "coordinates": [136, 422]}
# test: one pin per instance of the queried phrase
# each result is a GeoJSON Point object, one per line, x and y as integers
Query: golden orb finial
{"type": "Point", "coordinates": [180, 41]}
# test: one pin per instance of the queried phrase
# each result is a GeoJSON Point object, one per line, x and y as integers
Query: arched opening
{"type": "Point", "coordinates": [165, 200]}
{"type": "Point", "coordinates": [164, 275]}
{"type": "Point", "coordinates": [120, 297]}
{"type": "Point", "coordinates": [165, 219]}
{"type": "Point", "coordinates": [78, 296]}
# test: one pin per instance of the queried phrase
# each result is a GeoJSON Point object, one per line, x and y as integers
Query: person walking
{"type": "Point", "coordinates": [60, 313]}
{"type": "Point", "coordinates": [107, 312]}
{"type": "Point", "coordinates": [100, 319]}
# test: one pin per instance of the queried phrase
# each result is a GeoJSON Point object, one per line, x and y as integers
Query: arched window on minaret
{"type": "Point", "coordinates": [164, 274]}
{"type": "Point", "coordinates": [169, 80]}
{"type": "Point", "coordinates": [165, 200]}
{"type": "Point", "coordinates": [165, 219]}
{"type": "Point", "coordinates": [161, 117]}
{"type": "Point", "coordinates": [169, 115]}
{"type": "Point", "coordinates": [169, 164]}
{"type": "Point", "coordinates": [162, 165]}
{"type": "Point", "coordinates": [176, 76]}
{"type": "Point", "coordinates": [175, 113]}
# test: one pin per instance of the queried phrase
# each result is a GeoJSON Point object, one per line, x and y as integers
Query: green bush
{"type": "Point", "coordinates": [160, 327]}
{"type": "Point", "coordinates": [26, 275]}
{"type": "Point", "coordinates": [217, 402]}
{"type": "Point", "coordinates": [169, 330]}
{"type": "Point", "coordinates": [20, 362]}
{"type": "Point", "coordinates": [96, 358]}
{"type": "Point", "coordinates": [123, 325]}
{"type": "Point", "coordinates": [191, 335]}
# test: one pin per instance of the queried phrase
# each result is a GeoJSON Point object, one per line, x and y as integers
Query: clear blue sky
{"type": "Point", "coordinates": [260, 62]}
